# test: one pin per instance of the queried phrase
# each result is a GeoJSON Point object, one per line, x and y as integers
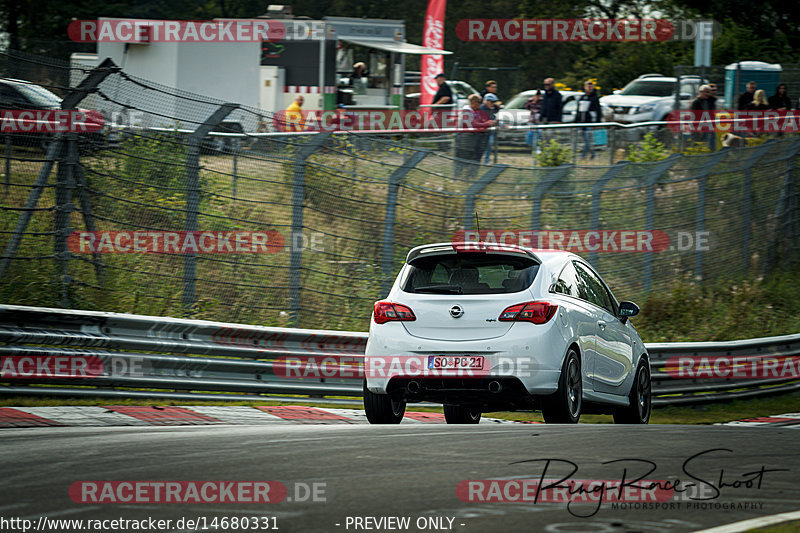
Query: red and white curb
{"type": "Point", "coordinates": [788, 420]}
{"type": "Point", "coordinates": [131, 415]}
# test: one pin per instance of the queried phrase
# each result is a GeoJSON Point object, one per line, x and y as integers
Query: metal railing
{"type": "Point", "coordinates": [154, 357]}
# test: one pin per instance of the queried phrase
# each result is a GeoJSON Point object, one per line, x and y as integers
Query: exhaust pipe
{"type": "Point", "coordinates": [495, 387]}
{"type": "Point", "coordinates": [413, 387]}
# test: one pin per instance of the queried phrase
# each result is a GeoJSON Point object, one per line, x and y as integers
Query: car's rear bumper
{"type": "Point", "coordinates": [530, 354]}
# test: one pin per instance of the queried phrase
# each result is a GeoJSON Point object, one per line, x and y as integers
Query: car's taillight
{"type": "Point", "coordinates": [388, 311]}
{"type": "Point", "coordinates": [536, 312]}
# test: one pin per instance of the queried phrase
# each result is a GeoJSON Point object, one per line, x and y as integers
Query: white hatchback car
{"type": "Point", "coordinates": [483, 327]}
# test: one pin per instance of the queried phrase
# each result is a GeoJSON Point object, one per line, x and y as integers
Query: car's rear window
{"type": "Point", "coordinates": [466, 273]}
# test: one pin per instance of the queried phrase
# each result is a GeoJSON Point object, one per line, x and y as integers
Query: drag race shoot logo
{"type": "Point", "coordinates": [726, 367]}
{"type": "Point", "coordinates": [175, 242]}
{"type": "Point", "coordinates": [562, 491]}
{"type": "Point", "coordinates": [50, 121]}
{"type": "Point", "coordinates": [583, 30]}
{"type": "Point", "coordinates": [768, 121]}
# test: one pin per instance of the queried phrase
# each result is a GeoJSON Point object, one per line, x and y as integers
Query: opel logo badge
{"type": "Point", "coordinates": [456, 311]}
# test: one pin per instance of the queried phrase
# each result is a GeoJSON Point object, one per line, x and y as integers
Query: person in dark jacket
{"type": "Point", "coordinates": [551, 103]}
{"type": "Point", "coordinates": [588, 111]}
{"type": "Point", "coordinates": [705, 101]}
{"type": "Point", "coordinates": [747, 96]}
{"type": "Point", "coordinates": [780, 101]}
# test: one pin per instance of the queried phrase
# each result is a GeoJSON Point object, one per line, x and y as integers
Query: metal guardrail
{"type": "Point", "coordinates": [155, 357]}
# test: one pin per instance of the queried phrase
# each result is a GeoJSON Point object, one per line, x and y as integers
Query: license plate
{"type": "Point", "coordinates": [472, 362]}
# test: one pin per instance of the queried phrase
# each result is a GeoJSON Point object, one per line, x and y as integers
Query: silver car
{"type": "Point", "coordinates": [482, 327]}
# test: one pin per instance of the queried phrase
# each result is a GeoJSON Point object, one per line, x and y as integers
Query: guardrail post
{"type": "Point", "coordinates": [193, 195]}
{"type": "Point", "coordinates": [651, 178]}
{"type": "Point", "coordinates": [298, 196]}
{"type": "Point", "coordinates": [387, 254]}
{"type": "Point", "coordinates": [475, 189]}
{"type": "Point", "coordinates": [70, 101]}
{"type": "Point", "coordinates": [555, 175]}
{"type": "Point", "coordinates": [597, 191]}
{"type": "Point", "coordinates": [700, 212]}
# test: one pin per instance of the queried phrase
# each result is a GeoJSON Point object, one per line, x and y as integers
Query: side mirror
{"type": "Point", "coordinates": [686, 96]}
{"type": "Point", "coordinates": [617, 91]}
{"type": "Point", "coordinates": [627, 310]}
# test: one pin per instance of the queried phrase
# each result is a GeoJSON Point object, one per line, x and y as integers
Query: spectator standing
{"type": "Point", "coordinates": [491, 105]}
{"type": "Point", "coordinates": [489, 87]}
{"type": "Point", "coordinates": [705, 101]}
{"type": "Point", "coordinates": [444, 94]}
{"type": "Point", "coordinates": [358, 78]}
{"type": "Point", "coordinates": [760, 101]}
{"type": "Point", "coordinates": [470, 145]}
{"type": "Point", "coordinates": [780, 100]}
{"type": "Point", "coordinates": [746, 97]}
{"type": "Point", "coordinates": [534, 105]}
{"type": "Point", "coordinates": [294, 114]}
{"type": "Point", "coordinates": [588, 112]}
{"type": "Point", "coordinates": [551, 103]}
{"type": "Point", "coordinates": [713, 88]}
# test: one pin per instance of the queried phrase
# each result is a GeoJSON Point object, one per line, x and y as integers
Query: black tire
{"type": "Point", "coordinates": [458, 414]}
{"type": "Point", "coordinates": [640, 396]}
{"type": "Point", "coordinates": [381, 409]}
{"type": "Point", "coordinates": [564, 405]}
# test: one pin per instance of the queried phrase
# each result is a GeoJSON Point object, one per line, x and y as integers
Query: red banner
{"type": "Point", "coordinates": [433, 37]}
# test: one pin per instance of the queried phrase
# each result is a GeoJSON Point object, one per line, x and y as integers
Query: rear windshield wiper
{"type": "Point", "coordinates": [445, 289]}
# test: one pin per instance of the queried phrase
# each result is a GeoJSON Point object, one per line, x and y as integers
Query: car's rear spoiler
{"type": "Point", "coordinates": [448, 248]}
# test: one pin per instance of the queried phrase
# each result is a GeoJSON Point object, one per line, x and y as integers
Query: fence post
{"type": "Point", "coordinates": [475, 189]}
{"type": "Point", "coordinates": [387, 254]}
{"type": "Point", "coordinates": [782, 213]}
{"type": "Point", "coordinates": [8, 163]}
{"type": "Point", "coordinates": [193, 195]}
{"type": "Point", "coordinates": [555, 175]}
{"type": "Point", "coordinates": [89, 84]}
{"type": "Point", "coordinates": [700, 211]}
{"type": "Point", "coordinates": [651, 178]}
{"type": "Point", "coordinates": [63, 211]}
{"type": "Point", "coordinates": [747, 200]}
{"type": "Point", "coordinates": [88, 218]}
{"type": "Point", "coordinates": [612, 134]}
{"type": "Point", "coordinates": [597, 191]}
{"type": "Point", "coordinates": [298, 196]}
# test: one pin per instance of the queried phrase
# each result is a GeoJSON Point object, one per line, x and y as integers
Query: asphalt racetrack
{"type": "Point", "coordinates": [355, 477]}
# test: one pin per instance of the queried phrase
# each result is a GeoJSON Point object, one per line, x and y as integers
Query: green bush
{"type": "Point", "coordinates": [554, 155]}
{"type": "Point", "coordinates": [651, 149]}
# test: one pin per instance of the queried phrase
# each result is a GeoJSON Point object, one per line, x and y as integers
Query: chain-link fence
{"type": "Point", "coordinates": [165, 213]}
